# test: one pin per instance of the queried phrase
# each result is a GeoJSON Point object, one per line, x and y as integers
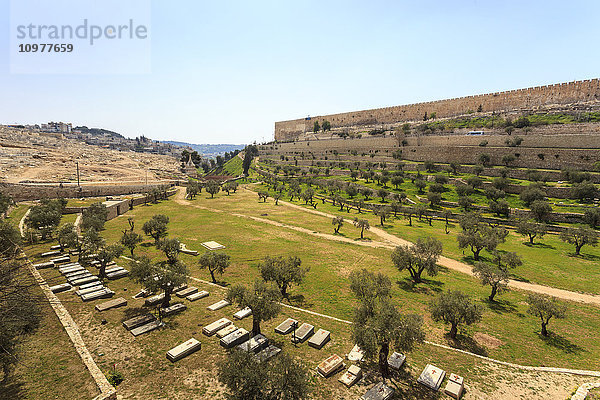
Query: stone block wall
{"type": "Point", "coordinates": [534, 98]}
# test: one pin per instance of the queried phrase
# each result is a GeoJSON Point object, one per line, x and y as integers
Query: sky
{"type": "Point", "coordinates": [225, 71]}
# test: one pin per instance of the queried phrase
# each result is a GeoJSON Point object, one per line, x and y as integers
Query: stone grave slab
{"type": "Point", "coordinates": [351, 376]}
{"type": "Point", "coordinates": [117, 274]}
{"type": "Point", "coordinates": [226, 331]}
{"type": "Point", "coordinates": [61, 260]}
{"type": "Point", "coordinates": [154, 300]}
{"type": "Point", "coordinates": [255, 344]}
{"type": "Point", "coordinates": [43, 265]}
{"type": "Point", "coordinates": [218, 305]}
{"type": "Point", "coordinates": [50, 253]}
{"type": "Point", "coordinates": [378, 392]}
{"type": "Point", "coordinates": [216, 326]}
{"type": "Point", "coordinates": [234, 338]}
{"type": "Point", "coordinates": [81, 273]}
{"type": "Point", "coordinates": [243, 313]}
{"type": "Point", "coordinates": [55, 247]}
{"type": "Point", "coordinates": [286, 326]}
{"type": "Point", "coordinates": [138, 321]}
{"type": "Point", "coordinates": [356, 354]}
{"type": "Point", "coordinates": [81, 281]}
{"type": "Point", "coordinates": [74, 252]}
{"type": "Point", "coordinates": [114, 303]}
{"type": "Point", "coordinates": [319, 339]}
{"type": "Point", "coordinates": [454, 389]}
{"type": "Point", "coordinates": [183, 350]}
{"type": "Point", "coordinates": [97, 286]}
{"type": "Point", "coordinates": [149, 327]}
{"type": "Point", "coordinates": [396, 360]}
{"type": "Point", "coordinates": [186, 292]}
{"type": "Point", "coordinates": [267, 353]}
{"type": "Point", "coordinates": [100, 294]}
{"type": "Point", "coordinates": [455, 378]}
{"type": "Point", "coordinates": [60, 288]}
{"type": "Point", "coordinates": [432, 377]}
{"type": "Point", "coordinates": [89, 285]}
{"type": "Point", "coordinates": [70, 268]}
{"type": "Point", "coordinates": [330, 365]}
{"type": "Point", "coordinates": [183, 249]}
{"type": "Point", "coordinates": [212, 245]}
{"type": "Point", "coordinates": [302, 333]}
{"type": "Point", "coordinates": [142, 294]}
{"type": "Point", "coordinates": [180, 287]}
{"type": "Point", "coordinates": [200, 295]}
{"type": "Point", "coordinates": [174, 309]}
{"type": "Point", "coordinates": [113, 269]}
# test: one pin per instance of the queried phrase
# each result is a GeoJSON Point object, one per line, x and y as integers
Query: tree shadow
{"type": "Point", "coordinates": [500, 306]}
{"type": "Point", "coordinates": [561, 343]}
{"type": "Point", "coordinates": [133, 312]}
{"type": "Point", "coordinates": [426, 286]}
{"type": "Point", "coordinates": [12, 388]}
{"type": "Point", "coordinates": [147, 244]}
{"type": "Point", "coordinates": [298, 300]}
{"type": "Point", "coordinates": [519, 278]}
{"type": "Point", "coordinates": [464, 342]}
{"type": "Point", "coordinates": [539, 245]}
{"type": "Point", "coordinates": [587, 257]}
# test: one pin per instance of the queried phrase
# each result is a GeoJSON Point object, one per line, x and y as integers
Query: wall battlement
{"type": "Point", "coordinates": [534, 98]}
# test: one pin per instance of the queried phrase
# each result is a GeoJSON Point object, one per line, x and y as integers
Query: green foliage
{"type": "Point", "coordinates": [94, 217]}
{"type": "Point", "coordinates": [156, 227]}
{"type": "Point", "coordinates": [130, 240]}
{"type": "Point", "coordinates": [115, 378]}
{"type": "Point", "coordinates": [105, 256]}
{"type": "Point", "coordinates": [531, 229]}
{"type": "Point", "coordinates": [337, 222]}
{"type": "Point", "coordinates": [592, 217]}
{"type": "Point", "coordinates": [455, 308]}
{"type": "Point", "coordinates": [160, 276]}
{"type": "Point", "coordinates": [579, 237]}
{"type": "Point", "coordinates": [584, 191]}
{"type": "Point", "coordinates": [532, 193]}
{"type": "Point", "coordinates": [261, 298]}
{"type": "Point", "coordinates": [418, 257]}
{"type": "Point", "coordinates": [45, 217]}
{"type": "Point", "coordinates": [67, 236]}
{"type": "Point", "coordinates": [477, 235]}
{"type": "Point", "coordinates": [362, 224]}
{"type": "Point", "coordinates": [541, 210]}
{"type": "Point", "coordinates": [545, 307]}
{"type": "Point", "coordinates": [284, 271]}
{"type": "Point", "coordinates": [213, 187]}
{"type": "Point", "coordinates": [215, 261]}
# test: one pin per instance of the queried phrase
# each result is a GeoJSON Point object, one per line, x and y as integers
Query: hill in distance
{"type": "Point", "coordinates": [209, 150]}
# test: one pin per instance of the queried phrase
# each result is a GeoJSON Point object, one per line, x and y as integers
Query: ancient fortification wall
{"type": "Point", "coordinates": [535, 98]}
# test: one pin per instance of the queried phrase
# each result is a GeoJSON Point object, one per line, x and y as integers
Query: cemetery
{"type": "Point", "coordinates": [135, 316]}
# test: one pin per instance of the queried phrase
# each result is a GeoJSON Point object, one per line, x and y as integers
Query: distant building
{"type": "Point", "coordinates": [190, 169]}
{"type": "Point", "coordinates": [57, 127]}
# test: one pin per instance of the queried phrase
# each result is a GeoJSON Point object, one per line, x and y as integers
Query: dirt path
{"type": "Point", "coordinates": [390, 241]}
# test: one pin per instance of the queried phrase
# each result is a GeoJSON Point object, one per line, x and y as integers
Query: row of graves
{"type": "Point", "coordinates": [85, 284]}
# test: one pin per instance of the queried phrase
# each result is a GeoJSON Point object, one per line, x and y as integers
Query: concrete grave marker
{"type": "Point", "coordinates": [89, 285]}
{"type": "Point", "coordinates": [97, 286]}
{"type": "Point", "coordinates": [330, 365]}
{"type": "Point", "coordinates": [70, 268]}
{"type": "Point", "coordinates": [154, 300]}
{"type": "Point", "coordinates": [235, 338]}
{"type": "Point", "coordinates": [396, 360]}
{"type": "Point", "coordinates": [216, 326]}
{"type": "Point", "coordinates": [351, 376]}
{"type": "Point", "coordinates": [81, 281]}
{"type": "Point", "coordinates": [187, 292]}
{"type": "Point", "coordinates": [149, 327]}
{"type": "Point", "coordinates": [455, 386]}
{"type": "Point", "coordinates": [356, 354]}
{"type": "Point", "coordinates": [174, 309]}
{"type": "Point", "coordinates": [117, 274]}
{"type": "Point", "coordinates": [115, 303]}
{"type": "Point", "coordinates": [60, 288]}
{"type": "Point", "coordinates": [142, 294]}
{"type": "Point", "coordinates": [196, 296]}
{"type": "Point", "coordinates": [138, 321]}
{"type": "Point", "coordinates": [100, 294]}
{"type": "Point", "coordinates": [78, 274]}
{"type": "Point", "coordinates": [302, 333]}
{"type": "Point", "coordinates": [268, 353]}
{"type": "Point", "coordinates": [432, 377]}
{"type": "Point", "coordinates": [48, 264]}
{"type": "Point", "coordinates": [183, 350]}
{"type": "Point", "coordinates": [255, 344]}
{"type": "Point", "coordinates": [378, 392]}
{"type": "Point", "coordinates": [319, 339]}
{"type": "Point", "coordinates": [243, 313]}
{"type": "Point", "coordinates": [113, 269]}
{"type": "Point", "coordinates": [226, 331]}
{"type": "Point", "coordinates": [286, 326]}
{"type": "Point", "coordinates": [50, 253]}
{"type": "Point", "coordinates": [55, 247]}
{"type": "Point", "coordinates": [218, 305]}
{"type": "Point", "coordinates": [212, 245]}
{"type": "Point", "coordinates": [61, 260]}
{"type": "Point", "coordinates": [180, 287]}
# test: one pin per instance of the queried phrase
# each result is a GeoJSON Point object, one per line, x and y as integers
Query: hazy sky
{"type": "Point", "coordinates": [225, 71]}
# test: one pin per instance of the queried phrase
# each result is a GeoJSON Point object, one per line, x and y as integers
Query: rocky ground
{"type": "Point", "coordinates": [27, 156]}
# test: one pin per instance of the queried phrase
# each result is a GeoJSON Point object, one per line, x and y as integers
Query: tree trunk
{"type": "Point", "coordinates": [255, 326]}
{"type": "Point", "coordinates": [131, 249]}
{"type": "Point", "coordinates": [476, 254]}
{"type": "Point", "coordinates": [544, 330]}
{"type": "Point", "coordinates": [362, 232]}
{"type": "Point", "coordinates": [493, 294]}
{"type": "Point", "coordinates": [167, 298]}
{"type": "Point", "coordinates": [453, 331]}
{"type": "Point", "coordinates": [578, 248]}
{"type": "Point", "coordinates": [102, 271]}
{"type": "Point", "coordinates": [531, 239]}
{"type": "Point", "coordinates": [212, 275]}
{"type": "Point", "coordinates": [383, 357]}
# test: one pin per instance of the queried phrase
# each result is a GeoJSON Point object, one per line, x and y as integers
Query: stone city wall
{"type": "Point", "coordinates": [525, 99]}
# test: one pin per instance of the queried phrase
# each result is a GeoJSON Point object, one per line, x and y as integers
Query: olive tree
{"type": "Point", "coordinates": [419, 257]}
{"type": "Point", "coordinates": [579, 237]}
{"type": "Point", "coordinates": [156, 227]}
{"type": "Point", "coordinates": [531, 229]}
{"type": "Point", "coordinates": [216, 262]}
{"type": "Point", "coordinates": [455, 308]}
{"type": "Point", "coordinates": [285, 272]}
{"type": "Point", "coordinates": [478, 235]}
{"type": "Point", "coordinates": [337, 223]}
{"type": "Point", "coordinates": [362, 224]}
{"type": "Point", "coordinates": [262, 298]}
{"type": "Point", "coordinates": [545, 308]}
{"type": "Point", "coordinates": [161, 276]}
